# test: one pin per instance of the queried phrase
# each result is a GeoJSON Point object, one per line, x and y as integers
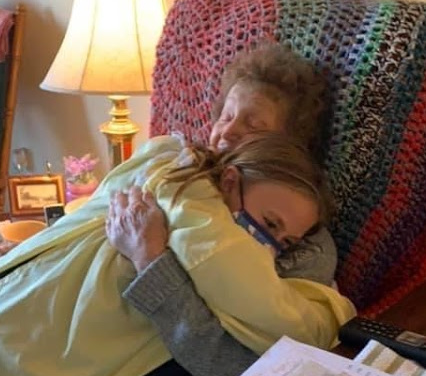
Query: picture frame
{"type": "Point", "coordinates": [29, 194]}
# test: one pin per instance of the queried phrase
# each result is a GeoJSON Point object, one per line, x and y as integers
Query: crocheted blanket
{"type": "Point", "coordinates": [376, 55]}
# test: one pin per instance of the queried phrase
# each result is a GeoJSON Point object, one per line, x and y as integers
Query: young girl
{"type": "Point", "coordinates": [61, 309]}
{"type": "Point", "coordinates": [272, 188]}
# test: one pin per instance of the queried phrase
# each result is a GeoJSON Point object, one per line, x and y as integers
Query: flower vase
{"type": "Point", "coordinates": [75, 190]}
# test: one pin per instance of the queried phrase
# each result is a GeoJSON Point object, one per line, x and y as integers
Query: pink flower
{"type": "Point", "coordinates": [79, 170]}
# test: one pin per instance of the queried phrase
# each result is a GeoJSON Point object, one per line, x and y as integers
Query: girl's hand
{"type": "Point", "coordinates": [137, 227]}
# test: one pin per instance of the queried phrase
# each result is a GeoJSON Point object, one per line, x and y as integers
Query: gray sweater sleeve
{"type": "Point", "coordinates": [193, 335]}
{"type": "Point", "coordinates": [315, 258]}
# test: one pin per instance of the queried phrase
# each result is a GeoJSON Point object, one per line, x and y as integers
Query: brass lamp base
{"type": "Point", "coordinates": [119, 130]}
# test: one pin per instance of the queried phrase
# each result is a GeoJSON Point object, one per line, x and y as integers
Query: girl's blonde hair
{"type": "Point", "coordinates": [268, 156]}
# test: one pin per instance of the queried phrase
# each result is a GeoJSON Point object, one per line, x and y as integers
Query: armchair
{"type": "Point", "coordinates": [374, 54]}
{"type": "Point", "coordinates": [9, 70]}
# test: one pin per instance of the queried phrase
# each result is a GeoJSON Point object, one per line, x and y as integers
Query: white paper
{"type": "Point", "coordinates": [381, 357]}
{"type": "Point", "coordinates": [291, 358]}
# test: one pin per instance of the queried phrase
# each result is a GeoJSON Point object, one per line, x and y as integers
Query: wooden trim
{"type": "Point", "coordinates": [11, 96]}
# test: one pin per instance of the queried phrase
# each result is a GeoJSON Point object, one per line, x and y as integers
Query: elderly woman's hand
{"type": "Point", "coordinates": [137, 227]}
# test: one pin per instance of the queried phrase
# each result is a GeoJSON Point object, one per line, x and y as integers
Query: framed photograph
{"type": "Point", "coordinates": [29, 194]}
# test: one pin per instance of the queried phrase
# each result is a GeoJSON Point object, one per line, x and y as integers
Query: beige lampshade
{"type": "Point", "coordinates": [108, 48]}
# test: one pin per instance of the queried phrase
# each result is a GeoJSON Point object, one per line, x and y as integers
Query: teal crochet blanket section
{"type": "Point", "coordinates": [374, 53]}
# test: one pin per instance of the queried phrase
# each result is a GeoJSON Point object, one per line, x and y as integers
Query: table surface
{"type": "Point", "coordinates": [409, 313]}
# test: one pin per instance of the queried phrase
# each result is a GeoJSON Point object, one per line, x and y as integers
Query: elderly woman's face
{"type": "Point", "coordinates": [246, 111]}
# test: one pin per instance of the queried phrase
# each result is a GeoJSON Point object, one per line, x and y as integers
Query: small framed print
{"type": "Point", "coordinates": [28, 195]}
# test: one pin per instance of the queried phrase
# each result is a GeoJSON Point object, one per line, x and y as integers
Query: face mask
{"type": "Point", "coordinates": [246, 221]}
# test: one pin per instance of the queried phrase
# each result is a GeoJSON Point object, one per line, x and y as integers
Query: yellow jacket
{"type": "Point", "coordinates": [61, 312]}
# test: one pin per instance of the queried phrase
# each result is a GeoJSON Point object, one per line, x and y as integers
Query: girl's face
{"type": "Point", "coordinates": [280, 210]}
{"type": "Point", "coordinates": [247, 110]}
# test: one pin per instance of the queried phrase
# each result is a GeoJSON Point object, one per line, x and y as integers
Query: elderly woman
{"type": "Point", "coordinates": [267, 89]}
{"type": "Point", "coordinates": [70, 278]}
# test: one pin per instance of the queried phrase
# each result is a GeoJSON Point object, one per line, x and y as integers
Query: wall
{"type": "Point", "coordinates": [50, 124]}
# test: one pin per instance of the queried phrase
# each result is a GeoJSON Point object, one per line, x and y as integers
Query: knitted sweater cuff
{"type": "Point", "coordinates": [152, 287]}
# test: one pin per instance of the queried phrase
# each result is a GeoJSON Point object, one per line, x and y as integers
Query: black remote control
{"type": "Point", "coordinates": [359, 331]}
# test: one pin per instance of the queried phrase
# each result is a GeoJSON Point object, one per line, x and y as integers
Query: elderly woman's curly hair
{"type": "Point", "coordinates": [284, 76]}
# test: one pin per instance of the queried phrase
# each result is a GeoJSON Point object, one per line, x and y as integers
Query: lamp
{"type": "Point", "coordinates": [109, 48]}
